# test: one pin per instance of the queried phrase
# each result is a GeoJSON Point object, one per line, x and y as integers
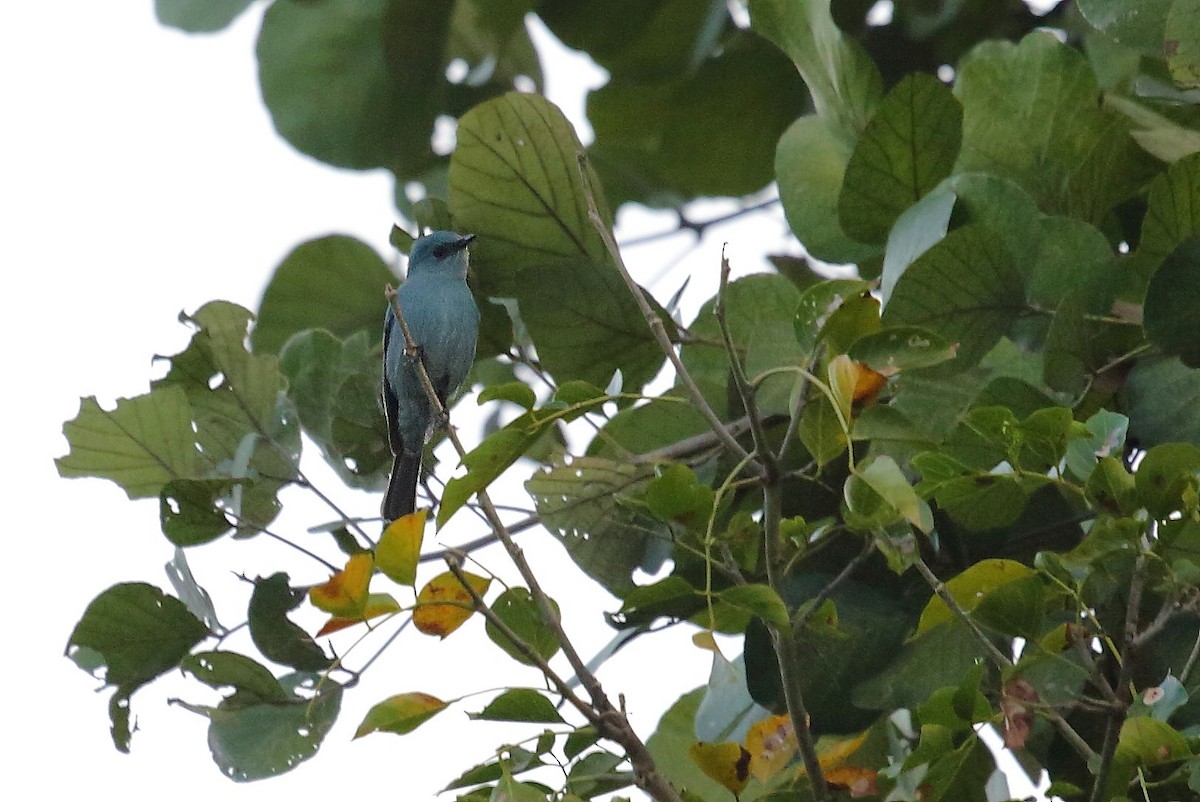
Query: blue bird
{"type": "Point", "coordinates": [444, 322]}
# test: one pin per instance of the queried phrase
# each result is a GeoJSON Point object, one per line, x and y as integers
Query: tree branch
{"type": "Point", "coordinates": [611, 722]}
{"type": "Point", "coordinates": [655, 322]}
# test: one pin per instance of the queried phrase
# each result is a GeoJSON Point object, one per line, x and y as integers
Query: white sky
{"type": "Point", "coordinates": [140, 176]}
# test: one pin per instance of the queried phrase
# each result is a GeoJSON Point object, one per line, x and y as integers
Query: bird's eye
{"type": "Point", "coordinates": [440, 251]}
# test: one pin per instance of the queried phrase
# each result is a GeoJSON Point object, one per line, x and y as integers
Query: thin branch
{"type": "Point", "coordinates": [1116, 718]}
{"type": "Point", "coordinates": [1191, 661]}
{"type": "Point", "coordinates": [700, 226]}
{"type": "Point", "coordinates": [655, 322]}
{"type": "Point", "coordinates": [801, 619]}
{"type": "Point", "coordinates": [484, 540]}
{"type": "Point", "coordinates": [611, 722]}
{"type": "Point", "coordinates": [1082, 747]}
{"type": "Point", "coordinates": [788, 651]}
{"type": "Point", "coordinates": [741, 382]}
{"type": "Point", "coordinates": [454, 561]}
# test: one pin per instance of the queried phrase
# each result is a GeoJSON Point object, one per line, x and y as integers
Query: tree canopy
{"type": "Point", "coordinates": [957, 490]}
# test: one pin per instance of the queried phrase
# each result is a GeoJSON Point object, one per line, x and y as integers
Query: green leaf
{"type": "Point", "coordinates": [141, 445]}
{"type": "Point", "coordinates": [844, 83]}
{"type": "Point", "coordinates": [884, 476]}
{"type": "Point", "coordinates": [901, 348]}
{"type": "Point", "coordinates": [1139, 25]}
{"type": "Point", "coordinates": [1164, 402]}
{"type": "Point", "coordinates": [657, 137]}
{"type": "Point", "coordinates": [810, 164]}
{"type": "Point", "coordinates": [1172, 307]}
{"type": "Point", "coordinates": [516, 183]}
{"type": "Point", "coordinates": [580, 503]}
{"type": "Point", "coordinates": [676, 496]}
{"type": "Point", "coordinates": [970, 588]}
{"type": "Point", "coordinates": [759, 600]}
{"type": "Point", "coordinates": [520, 704]}
{"type": "Point", "coordinates": [984, 501]}
{"type": "Point", "coordinates": [199, 16]}
{"type": "Point", "coordinates": [914, 232]}
{"type": "Point", "coordinates": [277, 637]}
{"type": "Point", "coordinates": [400, 714]}
{"type": "Point", "coordinates": [1107, 438]}
{"type": "Point", "coordinates": [308, 272]}
{"type": "Point", "coordinates": [523, 615]}
{"type": "Point", "coordinates": [517, 392]}
{"type": "Point", "coordinates": [938, 658]}
{"type": "Point", "coordinates": [1030, 114]}
{"type": "Point", "coordinates": [905, 151]}
{"type": "Point", "coordinates": [1181, 43]}
{"type": "Point", "coordinates": [819, 303]}
{"type": "Point", "coordinates": [669, 747]}
{"type": "Point", "coordinates": [597, 774]}
{"type": "Point", "coordinates": [138, 631]}
{"type": "Point", "coordinates": [965, 288]}
{"type": "Point", "coordinates": [1163, 476]}
{"type": "Point", "coordinates": [335, 387]}
{"type": "Point", "coordinates": [265, 740]}
{"type": "Point", "coordinates": [585, 324]}
{"type": "Point", "coordinates": [189, 512]}
{"type": "Point", "coordinates": [494, 455]}
{"type": "Point", "coordinates": [759, 310]}
{"type": "Point", "coordinates": [252, 681]}
{"type": "Point", "coordinates": [134, 632]}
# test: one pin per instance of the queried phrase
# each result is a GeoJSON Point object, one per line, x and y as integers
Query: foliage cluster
{"type": "Point", "coordinates": [960, 489]}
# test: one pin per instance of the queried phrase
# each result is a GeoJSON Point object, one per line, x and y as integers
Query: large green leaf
{"type": "Point", "coordinates": [669, 745]}
{"type": "Point", "coordinates": [938, 658]}
{"type": "Point", "coordinates": [253, 742]}
{"type": "Point", "coordinates": [276, 636]}
{"type": "Point", "coordinates": [360, 83]}
{"type": "Point", "coordinates": [586, 325]}
{"type": "Point", "coordinates": [965, 288]}
{"type": "Point", "coordinates": [759, 310]}
{"type": "Point", "coordinates": [335, 387]}
{"type": "Point", "coordinates": [581, 504]}
{"type": "Point", "coordinates": [1030, 114]}
{"type": "Point", "coordinates": [141, 445]}
{"type": "Point", "coordinates": [810, 164]}
{"type": "Point", "coordinates": [844, 83]}
{"type": "Point", "coordinates": [906, 150]}
{"type": "Point", "coordinates": [199, 16]}
{"type": "Point", "coordinates": [1172, 308]}
{"type": "Point", "coordinates": [657, 141]}
{"type": "Point", "coordinates": [1164, 402]}
{"type": "Point", "coordinates": [1138, 25]}
{"type": "Point", "coordinates": [1181, 43]}
{"type": "Point", "coordinates": [1172, 216]}
{"type": "Point", "coordinates": [308, 272]}
{"type": "Point", "coordinates": [516, 183]}
{"type": "Point", "coordinates": [135, 632]}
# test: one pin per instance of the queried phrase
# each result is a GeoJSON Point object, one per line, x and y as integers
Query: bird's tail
{"type": "Point", "coordinates": [401, 496]}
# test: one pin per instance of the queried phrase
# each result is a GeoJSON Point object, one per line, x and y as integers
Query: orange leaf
{"type": "Point", "coordinates": [867, 385]}
{"type": "Point", "coordinates": [727, 763]}
{"type": "Point", "coordinates": [771, 743]}
{"type": "Point", "coordinates": [345, 594]}
{"type": "Point", "coordinates": [444, 603]}
{"type": "Point", "coordinates": [377, 604]}
{"type": "Point", "coordinates": [860, 782]}
{"type": "Point", "coordinates": [400, 548]}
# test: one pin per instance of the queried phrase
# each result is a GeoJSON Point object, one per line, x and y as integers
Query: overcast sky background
{"type": "Point", "coordinates": [140, 176]}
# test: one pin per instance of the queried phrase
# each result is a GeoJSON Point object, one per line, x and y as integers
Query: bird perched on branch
{"type": "Point", "coordinates": [443, 320]}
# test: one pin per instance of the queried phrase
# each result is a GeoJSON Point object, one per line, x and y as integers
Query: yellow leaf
{"type": "Point", "coordinates": [843, 378]}
{"type": "Point", "coordinates": [727, 763]}
{"type": "Point", "coordinates": [400, 714]}
{"type": "Point", "coordinates": [377, 604]}
{"type": "Point", "coordinates": [969, 588]}
{"type": "Point", "coordinates": [400, 548]}
{"type": "Point", "coordinates": [771, 744]}
{"type": "Point", "coordinates": [345, 594]}
{"type": "Point", "coordinates": [444, 603]}
{"type": "Point", "coordinates": [833, 755]}
{"type": "Point", "coordinates": [704, 640]}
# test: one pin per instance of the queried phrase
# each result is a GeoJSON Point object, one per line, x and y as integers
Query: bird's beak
{"type": "Point", "coordinates": [463, 242]}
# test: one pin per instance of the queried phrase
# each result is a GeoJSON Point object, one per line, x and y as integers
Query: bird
{"type": "Point", "coordinates": [442, 317]}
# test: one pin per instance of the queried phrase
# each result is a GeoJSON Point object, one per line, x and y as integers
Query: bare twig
{"type": "Point", "coordinates": [655, 322]}
{"type": "Point", "coordinates": [698, 227]}
{"type": "Point", "coordinates": [801, 619]}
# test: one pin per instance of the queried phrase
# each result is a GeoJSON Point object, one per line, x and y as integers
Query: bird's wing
{"type": "Point", "coordinates": [391, 404]}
